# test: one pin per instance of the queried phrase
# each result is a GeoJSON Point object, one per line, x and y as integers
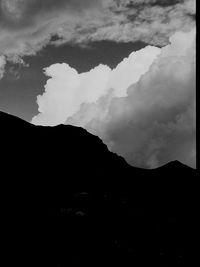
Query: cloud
{"type": "Point", "coordinates": [13, 9]}
{"type": "Point", "coordinates": [2, 66]}
{"type": "Point", "coordinates": [143, 110]}
{"type": "Point", "coordinates": [130, 21]}
{"type": "Point", "coordinates": [28, 25]}
{"type": "Point", "coordinates": [66, 90]}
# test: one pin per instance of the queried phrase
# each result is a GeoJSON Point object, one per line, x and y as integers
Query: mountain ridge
{"type": "Point", "coordinates": [5, 117]}
{"type": "Point", "coordinates": [111, 212]}
{"type": "Point", "coordinates": [66, 158]}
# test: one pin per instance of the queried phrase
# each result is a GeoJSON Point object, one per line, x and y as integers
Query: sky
{"type": "Point", "coordinates": [122, 69]}
{"type": "Point", "coordinates": [21, 84]}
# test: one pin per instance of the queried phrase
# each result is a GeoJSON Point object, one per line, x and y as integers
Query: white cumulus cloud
{"type": "Point", "coordinates": [143, 110]}
{"type": "Point", "coordinates": [66, 90]}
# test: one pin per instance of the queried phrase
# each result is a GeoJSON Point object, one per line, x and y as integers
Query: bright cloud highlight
{"type": "Point", "coordinates": [66, 90]}
{"type": "Point", "coordinates": [144, 109]}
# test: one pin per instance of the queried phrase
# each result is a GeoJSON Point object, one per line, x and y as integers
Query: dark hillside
{"type": "Point", "coordinates": [67, 201]}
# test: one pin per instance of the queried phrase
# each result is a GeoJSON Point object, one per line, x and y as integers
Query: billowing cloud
{"type": "Point", "coordinates": [66, 90]}
{"type": "Point", "coordinates": [26, 26]}
{"type": "Point", "coordinates": [143, 110]}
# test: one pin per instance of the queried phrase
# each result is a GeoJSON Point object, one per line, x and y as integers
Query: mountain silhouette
{"type": "Point", "coordinates": [68, 201]}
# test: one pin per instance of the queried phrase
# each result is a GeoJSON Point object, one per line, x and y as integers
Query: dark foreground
{"type": "Point", "coordinates": [68, 201]}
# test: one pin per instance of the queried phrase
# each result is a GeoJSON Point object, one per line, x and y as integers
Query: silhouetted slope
{"type": "Point", "coordinates": [111, 212]}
